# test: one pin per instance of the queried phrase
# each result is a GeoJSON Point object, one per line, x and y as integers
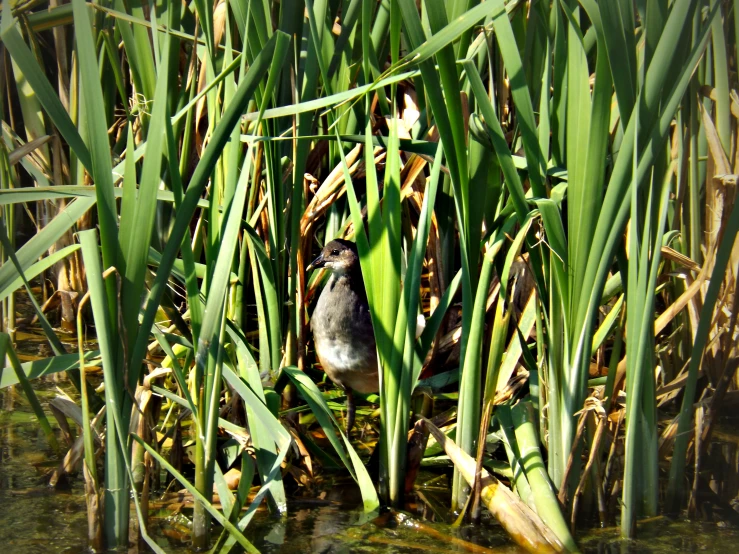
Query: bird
{"type": "Point", "coordinates": [341, 323]}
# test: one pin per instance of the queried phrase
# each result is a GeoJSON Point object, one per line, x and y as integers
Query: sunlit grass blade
{"type": "Point", "coordinates": [26, 62]}
{"type": "Point", "coordinates": [8, 353]}
{"type": "Point", "coordinates": [199, 180]}
{"type": "Point", "coordinates": [261, 435]}
{"type": "Point", "coordinates": [521, 98]}
{"type": "Point", "coordinates": [544, 497]}
{"type": "Point", "coordinates": [213, 324]}
{"type": "Point", "coordinates": [218, 516]}
{"type": "Point", "coordinates": [116, 481]}
{"type": "Point", "coordinates": [35, 248]}
{"type": "Point", "coordinates": [325, 417]}
{"type": "Point", "coordinates": [101, 168]}
{"type": "Point", "coordinates": [279, 435]}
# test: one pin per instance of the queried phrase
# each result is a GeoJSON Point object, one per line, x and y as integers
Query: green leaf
{"type": "Point", "coordinates": [26, 62]}
{"type": "Point", "coordinates": [325, 417]}
{"type": "Point", "coordinates": [93, 106]}
{"type": "Point", "coordinates": [41, 242]}
{"type": "Point", "coordinates": [199, 179]}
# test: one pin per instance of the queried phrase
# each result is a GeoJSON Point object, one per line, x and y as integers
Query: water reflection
{"type": "Point", "coordinates": [35, 518]}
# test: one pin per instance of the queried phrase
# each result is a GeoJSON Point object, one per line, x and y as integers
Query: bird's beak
{"type": "Point", "coordinates": [315, 264]}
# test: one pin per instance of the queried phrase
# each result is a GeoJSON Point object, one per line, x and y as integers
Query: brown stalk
{"type": "Point", "coordinates": [716, 191]}
{"type": "Point", "coordinates": [417, 441]}
{"type": "Point", "coordinates": [562, 496]}
{"type": "Point", "coordinates": [600, 413]}
{"type": "Point", "coordinates": [477, 485]}
{"type": "Point", "coordinates": [94, 500]}
{"type": "Point", "coordinates": [523, 525]}
{"type": "Point", "coordinates": [669, 314]}
{"type": "Point", "coordinates": [717, 398]}
{"type": "Point", "coordinates": [709, 415]}
{"type": "Point", "coordinates": [698, 449]}
{"type": "Point", "coordinates": [442, 537]}
{"type": "Point", "coordinates": [612, 451]}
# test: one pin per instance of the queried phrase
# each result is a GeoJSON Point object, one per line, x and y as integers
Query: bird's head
{"type": "Point", "coordinates": [339, 255]}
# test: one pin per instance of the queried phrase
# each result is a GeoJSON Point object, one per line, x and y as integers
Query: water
{"type": "Point", "coordinates": [336, 530]}
{"type": "Point", "coordinates": [664, 536]}
{"type": "Point", "coordinates": [36, 518]}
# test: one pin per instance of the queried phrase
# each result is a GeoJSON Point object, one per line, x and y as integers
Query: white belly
{"type": "Point", "coordinates": [347, 366]}
{"type": "Point", "coordinates": [340, 356]}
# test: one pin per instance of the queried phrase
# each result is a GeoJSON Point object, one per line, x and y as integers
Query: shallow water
{"type": "Point", "coordinates": [35, 518]}
{"type": "Point", "coordinates": [336, 530]}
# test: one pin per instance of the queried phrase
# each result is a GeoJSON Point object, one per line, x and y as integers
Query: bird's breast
{"type": "Point", "coordinates": [344, 338]}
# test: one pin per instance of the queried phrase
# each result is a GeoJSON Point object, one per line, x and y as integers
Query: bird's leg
{"type": "Point", "coordinates": [350, 411]}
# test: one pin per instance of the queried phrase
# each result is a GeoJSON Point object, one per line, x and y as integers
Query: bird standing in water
{"type": "Point", "coordinates": [342, 326]}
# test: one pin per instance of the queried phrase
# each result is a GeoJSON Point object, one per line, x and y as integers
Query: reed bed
{"type": "Point", "coordinates": [549, 187]}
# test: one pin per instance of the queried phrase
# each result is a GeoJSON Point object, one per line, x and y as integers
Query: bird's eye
{"type": "Point", "coordinates": [334, 252]}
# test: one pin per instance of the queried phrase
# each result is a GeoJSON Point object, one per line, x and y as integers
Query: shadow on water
{"type": "Point", "coordinates": [335, 523]}
{"type": "Point", "coordinates": [336, 530]}
{"type": "Point", "coordinates": [34, 517]}
{"type": "Point", "coordinates": [663, 536]}
{"type": "Point", "coordinates": [38, 518]}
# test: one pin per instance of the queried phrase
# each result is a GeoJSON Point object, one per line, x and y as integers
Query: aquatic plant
{"type": "Point", "coordinates": [549, 187]}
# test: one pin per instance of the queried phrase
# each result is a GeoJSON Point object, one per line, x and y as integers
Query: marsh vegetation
{"type": "Point", "coordinates": [543, 200]}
